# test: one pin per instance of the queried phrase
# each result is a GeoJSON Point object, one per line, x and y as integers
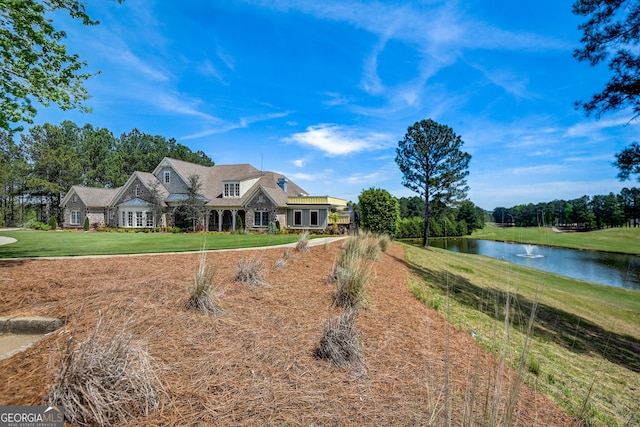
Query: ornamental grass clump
{"type": "Point", "coordinates": [303, 242]}
{"type": "Point", "coordinates": [204, 297]}
{"type": "Point", "coordinates": [251, 272]}
{"type": "Point", "coordinates": [340, 343]}
{"type": "Point", "coordinates": [350, 274]}
{"type": "Point", "coordinates": [108, 379]}
{"type": "Point", "coordinates": [384, 241]}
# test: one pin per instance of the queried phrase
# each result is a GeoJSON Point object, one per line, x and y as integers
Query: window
{"type": "Point", "coordinates": [232, 189]}
{"type": "Point", "coordinates": [129, 219]}
{"type": "Point", "coordinates": [261, 219]}
{"type": "Point", "coordinates": [75, 198]}
{"type": "Point", "coordinates": [167, 177]}
{"type": "Point", "coordinates": [150, 221]}
{"type": "Point", "coordinates": [139, 222]}
{"type": "Point", "coordinates": [314, 218]}
{"type": "Point", "coordinates": [123, 223]}
{"type": "Point", "coordinates": [75, 217]}
{"type": "Point", "coordinates": [297, 217]}
{"type": "Point", "coordinates": [137, 191]}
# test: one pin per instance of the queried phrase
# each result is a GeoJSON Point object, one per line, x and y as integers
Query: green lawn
{"type": "Point", "coordinates": [585, 337]}
{"type": "Point", "coordinates": [621, 240]}
{"type": "Point", "coordinates": [32, 243]}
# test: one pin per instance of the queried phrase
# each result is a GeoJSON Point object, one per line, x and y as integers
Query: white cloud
{"type": "Point", "coordinates": [588, 128]}
{"type": "Point", "coordinates": [242, 123]}
{"type": "Point", "coordinates": [337, 140]}
{"type": "Point", "coordinates": [298, 162]}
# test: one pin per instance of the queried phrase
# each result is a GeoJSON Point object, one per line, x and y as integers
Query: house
{"type": "Point", "coordinates": [231, 194]}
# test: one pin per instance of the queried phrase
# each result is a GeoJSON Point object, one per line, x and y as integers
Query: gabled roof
{"type": "Point", "coordinates": [92, 196]}
{"type": "Point", "coordinates": [148, 180]}
{"type": "Point", "coordinates": [267, 182]}
{"type": "Point", "coordinates": [183, 169]}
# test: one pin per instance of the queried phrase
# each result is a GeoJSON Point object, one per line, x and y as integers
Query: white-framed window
{"type": "Point", "coordinates": [261, 219]}
{"type": "Point", "coordinates": [130, 219]}
{"type": "Point", "coordinates": [150, 221]}
{"type": "Point", "coordinates": [231, 189]}
{"type": "Point", "coordinates": [137, 191]}
{"type": "Point", "coordinates": [314, 218]}
{"type": "Point", "coordinates": [139, 219]}
{"type": "Point", "coordinates": [75, 198]}
{"type": "Point", "coordinates": [167, 177]}
{"type": "Point", "coordinates": [297, 217]}
{"type": "Point", "coordinates": [75, 217]}
{"type": "Point", "coordinates": [123, 223]}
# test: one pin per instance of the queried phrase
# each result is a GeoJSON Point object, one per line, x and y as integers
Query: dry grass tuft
{"type": "Point", "coordinates": [384, 241]}
{"type": "Point", "coordinates": [203, 295]}
{"type": "Point", "coordinates": [280, 263]}
{"type": "Point", "coordinates": [340, 343]}
{"type": "Point", "coordinates": [108, 379]}
{"type": "Point", "coordinates": [303, 242]}
{"type": "Point", "coordinates": [251, 272]}
{"type": "Point", "coordinates": [350, 273]}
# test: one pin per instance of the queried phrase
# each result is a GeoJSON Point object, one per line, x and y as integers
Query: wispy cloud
{"type": "Point", "coordinates": [335, 140]}
{"type": "Point", "coordinates": [241, 123]}
{"type": "Point", "coordinates": [590, 127]}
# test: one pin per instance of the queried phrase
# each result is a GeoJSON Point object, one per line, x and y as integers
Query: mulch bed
{"type": "Point", "coordinates": [254, 363]}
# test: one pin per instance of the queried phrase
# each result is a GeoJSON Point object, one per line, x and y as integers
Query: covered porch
{"type": "Point", "coordinates": [231, 219]}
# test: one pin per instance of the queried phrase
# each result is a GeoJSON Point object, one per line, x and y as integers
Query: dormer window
{"type": "Point", "coordinates": [231, 189]}
{"type": "Point", "coordinates": [167, 177]}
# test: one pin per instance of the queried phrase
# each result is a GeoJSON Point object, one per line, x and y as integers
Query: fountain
{"type": "Point", "coordinates": [529, 252]}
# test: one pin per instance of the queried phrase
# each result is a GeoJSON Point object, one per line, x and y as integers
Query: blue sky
{"type": "Point", "coordinates": [323, 91]}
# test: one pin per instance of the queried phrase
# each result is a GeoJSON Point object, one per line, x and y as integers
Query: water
{"type": "Point", "coordinates": [622, 271]}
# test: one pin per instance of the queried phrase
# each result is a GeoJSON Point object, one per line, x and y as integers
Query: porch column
{"type": "Point", "coordinates": [220, 212]}
{"type": "Point", "coordinates": [206, 220]}
{"type": "Point", "coordinates": [233, 219]}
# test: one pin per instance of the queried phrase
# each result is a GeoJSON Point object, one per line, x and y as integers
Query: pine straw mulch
{"type": "Point", "coordinates": [254, 363]}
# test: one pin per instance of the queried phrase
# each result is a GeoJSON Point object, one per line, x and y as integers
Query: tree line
{"type": "Point", "coordinates": [403, 217]}
{"type": "Point", "coordinates": [39, 167]}
{"type": "Point", "coordinates": [584, 213]}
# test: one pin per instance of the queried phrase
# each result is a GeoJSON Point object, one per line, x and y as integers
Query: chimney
{"type": "Point", "coordinates": [282, 182]}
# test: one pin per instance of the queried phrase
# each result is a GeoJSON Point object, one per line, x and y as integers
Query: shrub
{"type": "Point", "coordinates": [303, 242]}
{"type": "Point", "coordinates": [85, 226]}
{"type": "Point", "coordinates": [251, 272]}
{"type": "Point", "coordinates": [107, 379]}
{"type": "Point", "coordinates": [37, 225]}
{"type": "Point", "coordinates": [340, 343]}
{"type": "Point", "coordinates": [203, 294]}
{"type": "Point", "coordinates": [53, 223]}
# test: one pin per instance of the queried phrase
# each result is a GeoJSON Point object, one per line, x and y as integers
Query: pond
{"type": "Point", "coordinates": [622, 271]}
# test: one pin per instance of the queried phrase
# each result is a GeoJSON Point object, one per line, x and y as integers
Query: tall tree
{"type": "Point", "coordinates": [379, 211]}
{"type": "Point", "coordinates": [628, 162]}
{"type": "Point", "coordinates": [193, 208]}
{"type": "Point", "coordinates": [34, 62]}
{"type": "Point", "coordinates": [52, 152]}
{"type": "Point", "coordinates": [612, 31]}
{"type": "Point", "coordinates": [433, 165]}
{"type": "Point", "coordinates": [14, 172]}
{"type": "Point", "coordinates": [97, 157]}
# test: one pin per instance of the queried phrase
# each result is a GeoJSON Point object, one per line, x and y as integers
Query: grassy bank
{"type": "Point", "coordinates": [622, 240]}
{"type": "Point", "coordinates": [32, 243]}
{"type": "Point", "coordinates": [583, 347]}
